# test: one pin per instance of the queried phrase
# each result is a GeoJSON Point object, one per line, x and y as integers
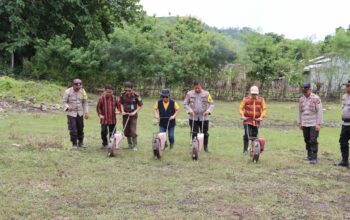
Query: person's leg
{"type": "Point", "coordinates": [206, 134]}
{"type": "Point", "coordinates": [254, 131]}
{"type": "Point", "coordinates": [104, 135]}
{"type": "Point", "coordinates": [171, 135]}
{"type": "Point", "coordinates": [127, 131]}
{"type": "Point", "coordinates": [72, 126]}
{"type": "Point", "coordinates": [195, 128]}
{"type": "Point", "coordinates": [344, 145]}
{"type": "Point", "coordinates": [306, 134]}
{"type": "Point", "coordinates": [313, 144]}
{"type": "Point", "coordinates": [80, 128]}
{"type": "Point", "coordinates": [133, 129]}
{"type": "Point", "coordinates": [110, 129]}
{"type": "Point", "coordinates": [245, 138]}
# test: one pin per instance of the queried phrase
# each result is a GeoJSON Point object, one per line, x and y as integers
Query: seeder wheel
{"type": "Point", "coordinates": [194, 153]}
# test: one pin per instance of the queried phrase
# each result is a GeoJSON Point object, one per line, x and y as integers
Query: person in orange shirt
{"type": "Point", "coordinates": [252, 110]}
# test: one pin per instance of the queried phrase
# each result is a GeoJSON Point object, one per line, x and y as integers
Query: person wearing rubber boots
{"type": "Point", "coordinates": [345, 130]}
{"type": "Point", "coordinates": [76, 106]}
{"type": "Point", "coordinates": [108, 107]}
{"type": "Point", "coordinates": [166, 110]}
{"type": "Point", "coordinates": [199, 105]}
{"type": "Point", "coordinates": [130, 104]}
{"type": "Point", "coordinates": [252, 110]}
{"type": "Point", "coordinates": [310, 120]}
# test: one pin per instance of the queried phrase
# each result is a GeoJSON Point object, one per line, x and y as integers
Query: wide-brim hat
{"type": "Point", "coordinates": [165, 92]}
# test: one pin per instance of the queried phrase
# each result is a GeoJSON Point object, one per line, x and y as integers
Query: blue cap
{"type": "Point", "coordinates": [306, 85]}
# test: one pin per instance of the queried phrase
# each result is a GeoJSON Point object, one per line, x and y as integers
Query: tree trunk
{"type": "Point", "coordinates": [12, 60]}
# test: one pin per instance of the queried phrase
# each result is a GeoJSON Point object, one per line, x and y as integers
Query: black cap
{"type": "Point", "coordinates": [306, 85]}
{"type": "Point", "coordinates": [165, 92]}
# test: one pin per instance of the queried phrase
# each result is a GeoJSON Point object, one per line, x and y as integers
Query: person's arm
{"type": "Point", "coordinates": [299, 117]}
{"type": "Point", "coordinates": [65, 101]}
{"type": "Point", "coordinates": [264, 109]}
{"type": "Point", "coordinates": [187, 104]}
{"type": "Point", "coordinates": [85, 105]}
{"type": "Point", "coordinates": [211, 105]}
{"type": "Point", "coordinates": [177, 110]}
{"type": "Point", "coordinates": [139, 106]}
{"type": "Point", "coordinates": [241, 109]}
{"type": "Point", "coordinates": [122, 106]}
{"type": "Point", "coordinates": [99, 108]}
{"type": "Point", "coordinates": [319, 112]}
{"type": "Point", "coordinates": [155, 110]}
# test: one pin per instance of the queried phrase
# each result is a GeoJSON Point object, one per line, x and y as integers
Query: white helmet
{"type": "Point", "coordinates": [254, 90]}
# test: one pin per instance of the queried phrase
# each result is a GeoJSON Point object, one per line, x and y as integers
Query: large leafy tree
{"type": "Point", "coordinates": [23, 23]}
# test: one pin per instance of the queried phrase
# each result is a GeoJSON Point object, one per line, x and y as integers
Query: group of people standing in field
{"type": "Point", "coordinates": [198, 104]}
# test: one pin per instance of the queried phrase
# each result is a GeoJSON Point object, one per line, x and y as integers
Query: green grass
{"type": "Point", "coordinates": [13, 90]}
{"type": "Point", "coordinates": [44, 179]}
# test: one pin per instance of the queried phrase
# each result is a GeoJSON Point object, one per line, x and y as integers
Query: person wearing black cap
{"type": "Point", "coordinates": [199, 105]}
{"type": "Point", "coordinates": [166, 110]}
{"type": "Point", "coordinates": [310, 120]}
{"type": "Point", "coordinates": [76, 106]}
{"type": "Point", "coordinates": [345, 130]}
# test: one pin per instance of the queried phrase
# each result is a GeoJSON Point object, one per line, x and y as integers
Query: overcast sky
{"type": "Point", "coordinates": [292, 18]}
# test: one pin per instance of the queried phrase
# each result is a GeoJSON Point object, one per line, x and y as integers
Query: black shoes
{"type": "Point", "coordinates": [343, 163]}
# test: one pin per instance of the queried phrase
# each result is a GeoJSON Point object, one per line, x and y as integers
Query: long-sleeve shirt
{"type": "Point", "coordinates": [346, 109]}
{"type": "Point", "coordinates": [107, 106]}
{"type": "Point", "coordinates": [77, 100]}
{"type": "Point", "coordinates": [310, 111]}
{"type": "Point", "coordinates": [198, 103]}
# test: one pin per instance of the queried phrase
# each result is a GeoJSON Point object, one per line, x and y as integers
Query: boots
{"type": "Point", "coordinates": [129, 143]}
{"type": "Point", "coordinates": [245, 147]}
{"type": "Point", "coordinates": [343, 163]}
{"type": "Point", "coordinates": [206, 148]}
{"type": "Point", "coordinates": [308, 157]}
{"type": "Point", "coordinates": [313, 159]}
{"type": "Point", "coordinates": [134, 143]}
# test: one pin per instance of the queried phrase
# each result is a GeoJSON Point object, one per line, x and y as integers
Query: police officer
{"type": "Point", "coordinates": [130, 104]}
{"type": "Point", "coordinates": [345, 130]}
{"type": "Point", "coordinates": [199, 105]}
{"type": "Point", "coordinates": [76, 106]}
{"type": "Point", "coordinates": [310, 120]}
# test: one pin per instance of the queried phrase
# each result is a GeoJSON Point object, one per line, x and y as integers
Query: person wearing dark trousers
{"type": "Point", "coordinates": [166, 110]}
{"type": "Point", "coordinates": [199, 105]}
{"type": "Point", "coordinates": [345, 130]}
{"type": "Point", "coordinates": [76, 106]}
{"type": "Point", "coordinates": [252, 110]}
{"type": "Point", "coordinates": [310, 120]}
{"type": "Point", "coordinates": [253, 132]}
{"type": "Point", "coordinates": [108, 107]}
{"type": "Point", "coordinates": [200, 126]}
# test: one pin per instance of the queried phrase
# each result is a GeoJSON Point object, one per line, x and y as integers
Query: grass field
{"type": "Point", "coordinates": [41, 178]}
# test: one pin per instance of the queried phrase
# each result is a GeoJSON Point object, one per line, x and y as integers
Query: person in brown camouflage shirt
{"type": "Point", "coordinates": [130, 103]}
